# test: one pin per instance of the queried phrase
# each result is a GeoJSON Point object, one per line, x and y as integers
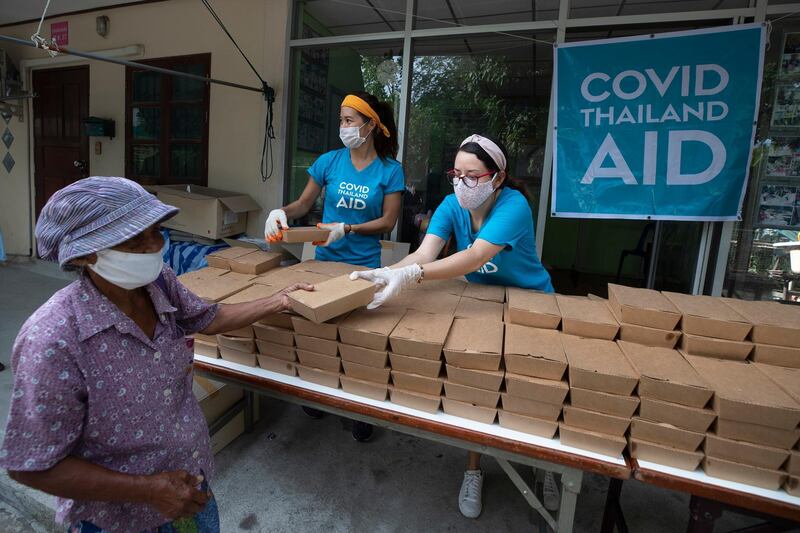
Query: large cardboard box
{"type": "Point", "coordinates": [666, 434]}
{"type": "Point", "coordinates": [367, 373]}
{"type": "Point", "coordinates": [743, 393]}
{"type": "Point", "coordinates": [534, 352]}
{"type": "Point", "coordinates": [367, 389]}
{"type": "Point", "coordinates": [749, 475]}
{"type": "Point", "coordinates": [599, 365]}
{"type": "Point", "coordinates": [691, 418]}
{"type": "Point", "coordinates": [773, 322]}
{"type": "Point", "coordinates": [210, 213]}
{"type": "Point", "coordinates": [532, 408]}
{"type": "Point", "coordinates": [603, 402]}
{"type": "Point", "coordinates": [665, 375]}
{"type": "Point", "coordinates": [469, 411]}
{"type": "Point", "coordinates": [320, 361]}
{"type": "Point", "coordinates": [709, 317]}
{"type": "Point", "coordinates": [237, 356]}
{"type": "Point", "coordinates": [421, 334]}
{"type": "Point", "coordinates": [256, 262]}
{"type": "Point", "coordinates": [542, 390]}
{"type": "Point", "coordinates": [481, 291]}
{"type": "Point", "coordinates": [215, 398]}
{"type": "Point", "coordinates": [745, 452]}
{"type": "Point", "coordinates": [585, 317]}
{"type": "Point", "coordinates": [758, 434]}
{"type": "Point", "coordinates": [594, 421]}
{"type": "Point", "coordinates": [719, 348]}
{"type": "Point", "coordinates": [273, 334]}
{"type": "Point", "coordinates": [528, 424]}
{"type": "Point", "coordinates": [415, 400]}
{"type": "Point", "coordinates": [479, 310]}
{"type": "Point", "coordinates": [279, 366]}
{"type": "Point", "coordinates": [318, 376]}
{"type": "Point", "coordinates": [642, 307]}
{"type": "Point", "coordinates": [475, 344]}
{"type": "Point", "coordinates": [591, 440]}
{"type": "Point", "coordinates": [776, 355]}
{"type": "Point", "coordinates": [305, 234]}
{"type": "Point", "coordinates": [327, 330]}
{"type": "Point", "coordinates": [431, 368]}
{"type": "Point", "coordinates": [471, 395]}
{"type": "Point", "coordinates": [332, 298]}
{"type": "Point", "coordinates": [482, 379]}
{"type": "Point", "coordinates": [532, 308]}
{"type": "Point", "coordinates": [370, 328]}
{"type": "Point", "coordinates": [664, 455]}
{"type": "Point", "coordinates": [221, 259]}
{"type": "Point", "coordinates": [364, 356]}
{"type": "Point", "coordinates": [649, 336]}
{"type": "Point", "coordinates": [320, 346]}
{"type": "Point", "coordinates": [276, 351]}
{"type": "Point", "coordinates": [417, 383]}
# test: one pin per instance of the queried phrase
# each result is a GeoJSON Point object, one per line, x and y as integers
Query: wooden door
{"type": "Point", "coordinates": [61, 148]}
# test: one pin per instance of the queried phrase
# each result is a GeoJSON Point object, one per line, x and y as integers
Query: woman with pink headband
{"type": "Point", "coordinates": [489, 217]}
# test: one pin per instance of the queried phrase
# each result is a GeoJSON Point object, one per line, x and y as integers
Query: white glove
{"type": "Point", "coordinates": [276, 221]}
{"type": "Point", "coordinates": [337, 232]}
{"type": "Point", "coordinates": [391, 281]}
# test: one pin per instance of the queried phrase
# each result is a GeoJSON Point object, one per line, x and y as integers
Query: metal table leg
{"type": "Point", "coordinates": [703, 514]}
{"type": "Point", "coordinates": [612, 515]}
{"type": "Point", "coordinates": [249, 410]}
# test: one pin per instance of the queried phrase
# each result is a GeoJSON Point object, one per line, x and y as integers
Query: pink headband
{"type": "Point", "coordinates": [489, 147]}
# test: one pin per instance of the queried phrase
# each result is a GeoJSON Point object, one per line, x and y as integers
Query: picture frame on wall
{"type": "Point", "coordinates": [786, 108]}
{"type": "Point", "coordinates": [783, 158]}
{"type": "Point", "coordinates": [778, 206]}
{"type": "Point", "coordinates": [790, 55]}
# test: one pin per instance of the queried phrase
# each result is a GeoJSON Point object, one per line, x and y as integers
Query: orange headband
{"type": "Point", "coordinates": [364, 108]}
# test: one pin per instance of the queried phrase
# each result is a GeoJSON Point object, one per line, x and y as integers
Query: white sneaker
{"type": "Point", "coordinates": [550, 493]}
{"type": "Point", "coordinates": [469, 499]}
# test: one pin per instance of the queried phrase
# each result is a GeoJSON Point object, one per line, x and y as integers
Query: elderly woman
{"type": "Point", "coordinates": [102, 413]}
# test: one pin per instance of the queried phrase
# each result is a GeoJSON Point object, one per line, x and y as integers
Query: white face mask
{"type": "Point", "coordinates": [473, 198]}
{"type": "Point", "coordinates": [351, 137]}
{"type": "Point", "coordinates": [128, 270]}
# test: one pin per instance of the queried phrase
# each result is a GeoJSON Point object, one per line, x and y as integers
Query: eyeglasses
{"type": "Point", "coordinates": [470, 181]}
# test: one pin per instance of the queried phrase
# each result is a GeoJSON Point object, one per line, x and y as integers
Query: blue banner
{"type": "Point", "coordinates": [656, 126]}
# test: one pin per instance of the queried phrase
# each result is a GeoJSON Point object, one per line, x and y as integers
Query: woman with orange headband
{"type": "Point", "coordinates": [363, 185]}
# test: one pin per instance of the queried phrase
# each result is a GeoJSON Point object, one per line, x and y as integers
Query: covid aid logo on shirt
{"type": "Point", "coordinates": [487, 268]}
{"type": "Point", "coordinates": [352, 195]}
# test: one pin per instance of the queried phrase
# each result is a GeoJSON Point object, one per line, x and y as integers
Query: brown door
{"type": "Point", "coordinates": [61, 149]}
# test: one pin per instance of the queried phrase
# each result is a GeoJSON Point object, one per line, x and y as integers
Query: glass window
{"type": "Point", "coordinates": [445, 13]}
{"type": "Point", "coordinates": [324, 18]}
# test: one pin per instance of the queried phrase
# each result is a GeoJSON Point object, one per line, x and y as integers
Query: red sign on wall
{"type": "Point", "coordinates": [59, 32]}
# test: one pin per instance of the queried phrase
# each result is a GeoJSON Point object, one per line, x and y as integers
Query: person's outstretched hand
{"type": "Point", "coordinates": [391, 282]}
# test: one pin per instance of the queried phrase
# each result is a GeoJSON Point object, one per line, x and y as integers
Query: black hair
{"type": "Point", "coordinates": [385, 146]}
{"type": "Point", "coordinates": [478, 151]}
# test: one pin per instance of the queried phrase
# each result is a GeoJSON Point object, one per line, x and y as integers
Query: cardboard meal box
{"type": "Point", "coordinates": [281, 320]}
{"type": "Point", "coordinates": [415, 365]}
{"type": "Point", "coordinates": [649, 336]}
{"type": "Point", "coordinates": [322, 362]}
{"type": "Point", "coordinates": [481, 291]}
{"type": "Point", "coordinates": [743, 393]}
{"type": "Point", "coordinates": [707, 316]}
{"type": "Point", "coordinates": [364, 356]}
{"type": "Point", "coordinates": [332, 298]}
{"type": "Point", "coordinates": [718, 348]}
{"type": "Point", "coordinates": [438, 303]}
{"type": "Point", "coordinates": [664, 455]}
{"type": "Point", "coordinates": [202, 274]}
{"type": "Point", "coordinates": [332, 269]}
{"type": "Point", "coordinates": [749, 475]}
{"type": "Point", "coordinates": [367, 373]}
{"type": "Point", "coordinates": [603, 402]}
{"type": "Point", "coordinates": [475, 344]}
{"type": "Point", "coordinates": [281, 278]}
{"type": "Point", "coordinates": [479, 310]}
{"type": "Point", "coordinates": [256, 262]}
{"type": "Point", "coordinates": [243, 344]}
{"type": "Point", "coordinates": [218, 288]}
{"type": "Point", "coordinates": [454, 287]}
{"type": "Point", "coordinates": [236, 356]}
{"type": "Point", "coordinates": [278, 366]}
{"type": "Point", "coordinates": [274, 335]}
{"type": "Point", "coordinates": [599, 365]}
{"type": "Point", "coordinates": [221, 259]}
{"type": "Point", "coordinates": [251, 293]}
{"type": "Point", "coordinates": [245, 332]}
{"type": "Point", "coordinates": [320, 346]}
{"type": "Point", "coordinates": [417, 383]}
{"type": "Point", "coordinates": [542, 390]}
{"type": "Point", "coordinates": [370, 328]}
{"type": "Point", "coordinates": [527, 424]}
{"type": "Point", "coordinates": [776, 355]}
{"type": "Point", "coordinates": [210, 213]}
{"type": "Point", "coordinates": [421, 334]}
{"type": "Point", "coordinates": [665, 375]}
{"type": "Point", "coordinates": [327, 330]}
{"type": "Point", "coordinates": [532, 308]}
{"type": "Point", "coordinates": [642, 307]}
{"type": "Point", "coordinates": [531, 408]}
{"type": "Point", "coordinates": [591, 440]}
{"type": "Point", "coordinates": [481, 379]}
{"type": "Point", "coordinates": [206, 349]}
{"type": "Point", "coordinates": [471, 395]}
{"type": "Point", "coordinates": [757, 434]}
{"type": "Point", "coordinates": [305, 234]}
{"type": "Point", "coordinates": [534, 352]}
{"type": "Point", "coordinates": [587, 318]}
{"type": "Point", "coordinates": [415, 400]}
{"type": "Point", "coordinates": [470, 411]}
{"type": "Point", "coordinates": [665, 434]}
{"type": "Point", "coordinates": [682, 416]}
{"type": "Point", "coordinates": [215, 398]}
{"type": "Point", "coordinates": [594, 421]}
{"type": "Point", "coordinates": [745, 452]}
{"type": "Point", "coordinates": [276, 351]}
{"type": "Point", "coordinates": [208, 339]}
{"type": "Point", "coordinates": [320, 377]}
{"type": "Point", "coordinates": [367, 389]}
{"type": "Point", "coordinates": [787, 378]}
{"type": "Point", "coordinates": [773, 322]}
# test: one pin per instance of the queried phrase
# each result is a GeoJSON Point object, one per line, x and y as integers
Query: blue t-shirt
{"type": "Point", "coordinates": [509, 224]}
{"type": "Point", "coordinates": [354, 197]}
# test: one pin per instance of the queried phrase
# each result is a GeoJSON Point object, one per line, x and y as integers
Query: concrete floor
{"type": "Point", "coordinates": [297, 474]}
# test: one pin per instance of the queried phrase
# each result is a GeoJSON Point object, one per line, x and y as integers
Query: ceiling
{"type": "Point", "coordinates": [13, 11]}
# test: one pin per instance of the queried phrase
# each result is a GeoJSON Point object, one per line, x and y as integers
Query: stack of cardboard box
{"type": "Point", "coordinates": [776, 331]}
{"type": "Point", "coordinates": [756, 425]}
{"type": "Point", "coordinates": [665, 376]}
{"type": "Point", "coordinates": [532, 308]}
{"type": "Point", "coordinates": [318, 351]}
{"type": "Point", "coordinates": [606, 381]}
{"type": "Point", "coordinates": [587, 317]}
{"type": "Point", "coordinates": [244, 260]}
{"type": "Point", "coordinates": [645, 316]}
{"type": "Point", "coordinates": [364, 337]}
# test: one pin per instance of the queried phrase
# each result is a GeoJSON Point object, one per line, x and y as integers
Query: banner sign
{"type": "Point", "coordinates": [657, 126]}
